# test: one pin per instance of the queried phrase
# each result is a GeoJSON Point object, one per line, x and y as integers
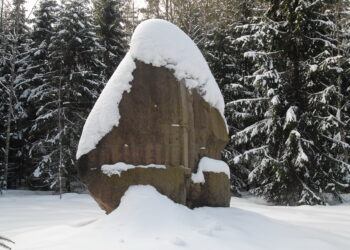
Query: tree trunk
{"type": "Point", "coordinates": [1, 14]}
{"type": "Point", "coordinates": [342, 138]}
{"type": "Point", "coordinates": [167, 10]}
{"type": "Point", "coordinates": [60, 138]}
{"type": "Point", "coordinates": [133, 15]}
{"type": "Point", "coordinates": [9, 116]}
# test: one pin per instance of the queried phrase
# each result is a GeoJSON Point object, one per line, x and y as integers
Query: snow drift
{"type": "Point", "coordinates": [148, 220]}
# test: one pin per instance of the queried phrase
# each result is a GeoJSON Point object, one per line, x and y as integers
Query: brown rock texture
{"type": "Point", "coordinates": [215, 192]}
{"type": "Point", "coordinates": [162, 122]}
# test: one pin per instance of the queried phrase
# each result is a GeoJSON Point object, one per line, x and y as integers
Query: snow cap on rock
{"type": "Point", "coordinates": [159, 43]}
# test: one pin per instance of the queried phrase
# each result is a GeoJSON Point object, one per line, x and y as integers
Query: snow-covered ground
{"type": "Point", "coordinates": [148, 220]}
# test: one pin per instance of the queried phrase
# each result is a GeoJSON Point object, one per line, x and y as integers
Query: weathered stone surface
{"type": "Point", "coordinates": [162, 122]}
{"type": "Point", "coordinates": [107, 191]}
{"type": "Point", "coordinates": [215, 192]}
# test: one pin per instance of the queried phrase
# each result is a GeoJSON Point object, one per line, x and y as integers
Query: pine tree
{"type": "Point", "coordinates": [153, 9]}
{"type": "Point", "coordinates": [73, 81]}
{"type": "Point", "coordinates": [109, 29]}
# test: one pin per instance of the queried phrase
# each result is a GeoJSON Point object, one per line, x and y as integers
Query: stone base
{"type": "Point", "coordinates": [172, 182]}
{"type": "Point", "coordinates": [215, 192]}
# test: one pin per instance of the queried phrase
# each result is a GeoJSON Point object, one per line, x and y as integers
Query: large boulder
{"type": "Point", "coordinates": [162, 120]}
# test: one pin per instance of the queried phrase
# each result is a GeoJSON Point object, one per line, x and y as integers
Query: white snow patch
{"type": "Point", "coordinates": [302, 157]}
{"type": "Point", "coordinates": [148, 220]}
{"type": "Point", "coordinates": [250, 54]}
{"type": "Point", "coordinates": [159, 43]}
{"type": "Point", "coordinates": [275, 100]}
{"type": "Point", "coordinates": [37, 172]}
{"type": "Point", "coordinates": [313, 67]}
{"type": "Point", "coordinates": [290, 116]}
{"type": "Point", "coordinates": [119, 167]}
{"type": "Point", "coordinates": [207, 164]}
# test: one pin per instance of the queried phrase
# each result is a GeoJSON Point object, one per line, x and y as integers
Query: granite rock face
{"type": "Point", "coordinates": [162, 122]}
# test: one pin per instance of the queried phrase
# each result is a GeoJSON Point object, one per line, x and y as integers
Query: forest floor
{"type": "Point", "coordinates": [148, 220]}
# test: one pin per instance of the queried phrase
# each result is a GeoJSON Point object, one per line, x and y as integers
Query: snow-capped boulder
{"type": "Point", "coordinates": [159, 114]}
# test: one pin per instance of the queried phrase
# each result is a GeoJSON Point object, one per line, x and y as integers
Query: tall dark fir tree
{"type": "Point", "coordinates": [41, 108]}
{"type": "Point", "coordinates": [225, 55]}
{"type": "Point", "coordinates": [294, 141]}
{"type": "Point", "coordinates": [73, 84]}
{"type": "Point", "coordinates": [14, 90]}
{"type": "Point", "coordinates": [109, 28]}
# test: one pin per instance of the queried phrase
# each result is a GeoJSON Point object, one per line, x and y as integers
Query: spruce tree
{"type": "Point", "coordinates": [109, 28]}
{"type": "Point", "coordinates": [42, 90]}
{"type": "Point", "coordinates": [14, 49]}
{"type": "Point", "coordinates": [291, 141]}
{"type": "Point", "coordinates": [225, 57]}
{"type": "Point", "coordinates": [73, 83]}
{"type": "Point", "coordinates": [328, 102]}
